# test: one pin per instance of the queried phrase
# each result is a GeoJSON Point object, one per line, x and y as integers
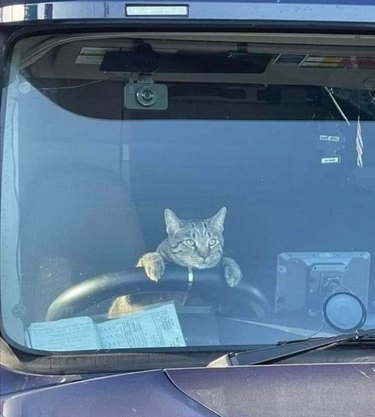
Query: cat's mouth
{"type": "Point", "coordinates": [205, 263]}
{"type": "Point", "coordinates": [199, 262]}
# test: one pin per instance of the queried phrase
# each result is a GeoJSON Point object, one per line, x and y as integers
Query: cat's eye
{"type": "Point", "coordinates": [212, 242]}
{"type": "Point", "coordinates": [190, 242]}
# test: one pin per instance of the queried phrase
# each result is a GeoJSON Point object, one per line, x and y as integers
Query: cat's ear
{"type": "Point", "coordinates": [172, 222]}
{"type": "Point", "coordinates": [218, 219]}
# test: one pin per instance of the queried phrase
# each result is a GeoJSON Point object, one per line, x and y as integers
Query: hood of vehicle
{"type": "Point", "coordinates": [332, 390]}
{"type": "Point", "coordinates": [280, 390]}
{"type": "Point", "coordinates": [140, 394]}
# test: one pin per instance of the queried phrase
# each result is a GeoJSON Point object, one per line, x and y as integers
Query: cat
{"type": "Point", "coordinates": [190, 243]}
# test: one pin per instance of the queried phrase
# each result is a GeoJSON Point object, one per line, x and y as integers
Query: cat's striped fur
{"type": "Point", "coordinates": [190, 243]}
{"type": "Point", "coordinates": [193, 244]}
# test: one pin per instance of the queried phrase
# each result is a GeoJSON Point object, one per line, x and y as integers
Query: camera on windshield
{"type": "Point", "coordinates": [146, 96]}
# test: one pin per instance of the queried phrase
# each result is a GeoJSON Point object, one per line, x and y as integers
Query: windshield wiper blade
{"type": "Point", "coordinates": [283, 350]}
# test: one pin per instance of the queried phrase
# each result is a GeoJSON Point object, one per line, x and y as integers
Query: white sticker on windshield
{"type": "Point", "coordinates": [329, 138]}
{"type": "Point", "coordinates": [154, 327]}
{"type": "Point", "coordinates": [331, 160]}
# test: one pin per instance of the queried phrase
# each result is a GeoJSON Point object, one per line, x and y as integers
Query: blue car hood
{"type": "Point", "coordinates": [280, 390]}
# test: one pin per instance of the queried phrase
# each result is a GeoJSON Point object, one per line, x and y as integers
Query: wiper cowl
{"type": "Point", "coordinates": [283, 350]}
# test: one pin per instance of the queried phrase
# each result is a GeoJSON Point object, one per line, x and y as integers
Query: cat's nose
{"type": "Point", "coordinates": [203, 253]}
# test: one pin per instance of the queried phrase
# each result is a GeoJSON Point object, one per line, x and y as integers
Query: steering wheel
{"type": "Point", "coordinates": [208, 284]}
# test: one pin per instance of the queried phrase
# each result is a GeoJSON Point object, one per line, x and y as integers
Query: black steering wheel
{"type": "Point", "coordinates": [208, 284]}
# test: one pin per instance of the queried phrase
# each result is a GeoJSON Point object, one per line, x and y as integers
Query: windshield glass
{"type": "Point", "coordinates": [161, 193]}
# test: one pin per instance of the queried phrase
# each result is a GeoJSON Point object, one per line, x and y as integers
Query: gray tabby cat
{"type": "Point", "coordinates": [192, 244]}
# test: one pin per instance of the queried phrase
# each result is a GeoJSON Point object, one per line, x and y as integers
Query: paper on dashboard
{"type": "Point", "coordinates": [77, 333]}
{"type": "Point", "coordinates": [154, 327]}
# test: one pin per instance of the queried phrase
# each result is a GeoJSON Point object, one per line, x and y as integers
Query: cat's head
{"type": "Point", "coordinates": [196, 243]}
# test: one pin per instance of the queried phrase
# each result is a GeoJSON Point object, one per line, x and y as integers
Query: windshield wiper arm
{"type": "Point", "coordinates": [283, 350]}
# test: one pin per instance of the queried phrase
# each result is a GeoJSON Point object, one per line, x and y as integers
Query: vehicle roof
{"type": "Point", "coordinates": [278, 2]}
{"type": "Point", "coordinates": [342, 12]}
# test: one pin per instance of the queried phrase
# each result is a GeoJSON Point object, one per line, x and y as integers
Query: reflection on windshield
{"type": "Point", "coordinates": [163, 212]}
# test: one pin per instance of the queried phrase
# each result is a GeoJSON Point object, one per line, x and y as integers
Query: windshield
{"type": "Point", "coordinates": [175, 194]}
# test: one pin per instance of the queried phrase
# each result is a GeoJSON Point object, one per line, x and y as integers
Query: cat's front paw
{"type": "Point", "coordinates": [232, 272]}
{"type": "Point", "coordinates": [154, 265]}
